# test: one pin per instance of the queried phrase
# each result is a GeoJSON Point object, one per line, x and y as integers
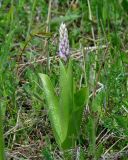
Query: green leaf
{"type": "Point", "coordinates": [70, 80]}
{"type": "Point", "coordinates": [53, 106]}
{"type": "Point", "coordinates": [81, 97]}
{"type": "Point", "coordinates": [73, 129]}
{"type": "Point", "coordinates": [66, 96]}
{"type": "Point", "coordinates": [97, 102]}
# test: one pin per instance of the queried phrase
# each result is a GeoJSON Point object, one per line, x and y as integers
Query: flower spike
{"type": "Point", "coordinates": [63, 42]}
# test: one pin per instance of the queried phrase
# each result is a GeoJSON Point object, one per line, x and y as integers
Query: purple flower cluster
{"type": "Point", "coordinates": [63, 42]}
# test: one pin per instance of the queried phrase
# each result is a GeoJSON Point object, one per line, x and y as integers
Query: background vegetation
{"type": "Point", "coordinates": [98, 36]}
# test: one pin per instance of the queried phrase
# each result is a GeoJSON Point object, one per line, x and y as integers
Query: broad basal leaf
{"type": "Point", "coordinates": [80, 98]}
{"type": "Point", "coordinates": [53, 106]}
{"type": "Point", "coordinates": [66, 98]}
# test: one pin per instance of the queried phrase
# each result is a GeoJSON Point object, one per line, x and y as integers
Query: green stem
{"type": "Point", "coordinates": [92, 137]}
{"type": "Point", "coordinates": [31, 18]}
{"type": "Point", "coordinates": [2, 155]}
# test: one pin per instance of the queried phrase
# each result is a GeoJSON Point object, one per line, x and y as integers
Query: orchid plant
{"type": "Point", "coordinates": [66, 109]}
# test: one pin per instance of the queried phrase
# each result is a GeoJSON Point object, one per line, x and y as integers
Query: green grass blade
{"type": "Point", "coordinates": [2, 155]}
{"type": "Point", "coordinates": [92, 136]}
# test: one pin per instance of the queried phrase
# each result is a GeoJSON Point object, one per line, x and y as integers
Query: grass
{"type": "Point", "coordinates": [29, 45]}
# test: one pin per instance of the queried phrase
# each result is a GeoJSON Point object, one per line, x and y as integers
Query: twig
{"type": "Point", "coordinates": [122, 149]}
{"type": "Point", "coordinates": [103, 137]}
{"type": "Point", "coordinates": [48, 21]}
{"type": "Point", "coordinates": [114, 156]}
{"type": "Point", "coordinates": [93, 36]}
{"type": "Point", "coordinates": [100, 134]}
{"type": "Point", "coordinates": [75, 54]}
{"type": "Point", "coordinates": [125, 108]}
{"type": "Point", "coordinates": [78, 153]}
{"type": "Point", "coordinates": [16, 126]}
{"type": "Point", "coordinates": [111, 147]}
{"type": "Point", "coordinates": [98, 90]}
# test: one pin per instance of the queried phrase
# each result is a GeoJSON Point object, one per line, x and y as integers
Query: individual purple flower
{"type": "Point", "coordinates": [63, 42]}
